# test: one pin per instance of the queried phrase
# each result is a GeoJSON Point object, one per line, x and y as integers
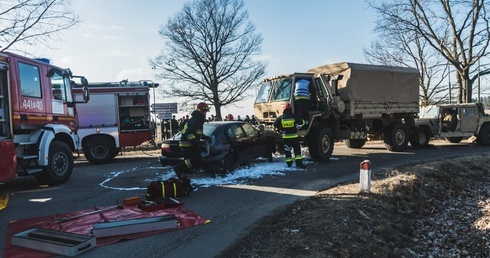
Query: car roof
{"type": "Point", "coordinates": [225, 122]}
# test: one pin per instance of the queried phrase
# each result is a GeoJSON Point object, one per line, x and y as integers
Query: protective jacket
{"type": "Point", "coordinates": [287, 124]}
{"type": "Point", "coordinates": [192, 131]}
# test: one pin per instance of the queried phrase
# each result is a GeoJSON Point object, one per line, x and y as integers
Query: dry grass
{"type": "Point", "coordinates": [437, 208]}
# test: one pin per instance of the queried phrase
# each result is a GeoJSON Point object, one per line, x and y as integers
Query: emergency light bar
{"type": "Point", "coordinates": [123, 83]}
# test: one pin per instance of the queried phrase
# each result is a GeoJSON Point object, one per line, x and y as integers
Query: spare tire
{"type": "Point", "coordinates": [355, 143]}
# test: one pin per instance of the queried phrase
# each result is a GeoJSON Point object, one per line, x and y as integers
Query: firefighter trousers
{"type": "Point", "coordinates": [192, 158]}
{"type": "Point", "coordinates": [302, 109]}
{"type": "Point", "coordinates": [293, 143]}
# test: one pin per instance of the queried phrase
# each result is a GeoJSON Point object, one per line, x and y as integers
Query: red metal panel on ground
{"type": "Point", "coordinates": [8, 159]}
{"type": "Point", "coordinates": [127, 139]}
{"type": "Point", "coordinates": [84, 224]}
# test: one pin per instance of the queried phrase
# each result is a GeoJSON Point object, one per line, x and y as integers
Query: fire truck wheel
{"type": "Point", "coordinates": [60, 164]}
{"type": "Point", "coordinates": [99, 150]}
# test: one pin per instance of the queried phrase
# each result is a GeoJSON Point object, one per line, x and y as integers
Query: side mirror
{"type": "Point", "coordinates": [84, 81]}
{"type": "Point", "coordinates": [52, 71]}
{"type": "Point", "coordinates": [85, 91]}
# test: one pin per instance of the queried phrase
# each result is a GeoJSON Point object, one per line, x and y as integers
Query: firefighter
{"type": "Point", "coordinates": [288, 124]}
{"type": "Point", "coordinates": [302, 100]}
{"type": "Point", "coordinates": [189, 143]}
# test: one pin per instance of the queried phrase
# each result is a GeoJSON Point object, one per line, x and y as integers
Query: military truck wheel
{"type": "Point", "coordinates": [60, 164]}
{"type": "Point", "coordinates": [355, 143]}
{"type": "Point", "coordinates": [419, 138]}
{"type": "Point", "coordinates": [454, 139]}
{"type": "Point", "coordinates": [99, 150]}
{"type": "Point", "coordinates": [321, 144]}
{"type": "Point", "coordinates": [396, 137]}
{"type": "Point", "coordinates": [484, 136]}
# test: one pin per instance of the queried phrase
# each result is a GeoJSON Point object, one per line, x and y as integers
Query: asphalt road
{"type": "Point", "coordinates": [232, 208]}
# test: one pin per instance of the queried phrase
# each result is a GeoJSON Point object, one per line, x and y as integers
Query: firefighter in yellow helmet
{"type": "Point", "coordinates": [189, 143]}
{"type": "Point", "coordinates": [288, 124]}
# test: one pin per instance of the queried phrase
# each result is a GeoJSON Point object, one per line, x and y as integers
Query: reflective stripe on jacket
{"type": "Point", "coordinates": [302, 91]}
{"type": "Point", "coordinates": [286, 123]}
{"type": "Point", "coordinates": [193, 130]}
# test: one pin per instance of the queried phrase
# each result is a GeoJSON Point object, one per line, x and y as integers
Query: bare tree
{"type": "Point", "coordinates": [397, 46]}
{"type": "Point", "coordinates": [34, 22]}
{"type": "Point", "coordinates": [208, 55]}
{"type": "Point", "coordinates": [458, 30]}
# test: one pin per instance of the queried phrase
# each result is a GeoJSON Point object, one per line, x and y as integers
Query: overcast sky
{"type": "Point", "coordinates": [117, 37]}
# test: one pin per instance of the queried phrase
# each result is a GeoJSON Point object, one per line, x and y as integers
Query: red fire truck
{"type": "Point", "coordinates": [117, 116]}
{"type": "Point", "coordinates": [37, 119]}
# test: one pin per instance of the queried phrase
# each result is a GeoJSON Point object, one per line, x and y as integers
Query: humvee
{"type": "Point", "coordinates": [471, 120]}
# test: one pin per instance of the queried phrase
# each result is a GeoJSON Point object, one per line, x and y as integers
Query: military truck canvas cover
{"type": "Point", "coordinates": [374, 83]}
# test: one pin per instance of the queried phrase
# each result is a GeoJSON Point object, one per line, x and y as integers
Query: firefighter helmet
{"type": "Point", "coordinates": [202, 107]}
{"type": "Point", "coordinates": [287, 105]}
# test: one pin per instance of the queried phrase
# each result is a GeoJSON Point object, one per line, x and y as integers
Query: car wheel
{"type": "Point", "coordinates": [270, 151]}
{"type": "Point", "coordinates": [454, 139]}
{"type": "Point", "coordinates": [99, 150]}
{"type": "Point", "coordinates": [60, 164]}
{"type": "Point", "coordinates": [229, 164]}
{"type": "Point", "coordinates": [355, 143]}
{"type": "Point", "coordinates": [396, 137]}
{"type": "Point", "coordinates": [484, 136]}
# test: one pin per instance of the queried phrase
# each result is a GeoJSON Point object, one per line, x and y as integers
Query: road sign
{"type": "Point", "coordinates": [165, 111]}
{"type": "Point", "coordinates": [164, 116]}
{"type": "Point", "coordinates": [164, 106]}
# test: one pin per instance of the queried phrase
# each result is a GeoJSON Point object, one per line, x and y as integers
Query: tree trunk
{"type": "Point", "coordinates": [218, 112]}
{"type": "Point", "coordinates": [461, 92]}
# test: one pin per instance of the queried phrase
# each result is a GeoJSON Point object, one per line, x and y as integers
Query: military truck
{"type": "Point", "coordinates": [469, 120]}
{"type": "Point", "coordinates": [351, 101]}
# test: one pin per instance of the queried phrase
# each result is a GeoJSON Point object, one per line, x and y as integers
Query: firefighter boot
{"type": "Point", "coordinates": [187, 185]}
{"type": "Point", "coordinates": [299, 164]}
{"type": "Point", "coordinates": [290, 163]}
{"type": "Point", "coordinates": [179, 169]}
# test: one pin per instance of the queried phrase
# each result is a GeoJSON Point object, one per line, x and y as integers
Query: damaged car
{"type": "Point", "coordinates": [233, 143]}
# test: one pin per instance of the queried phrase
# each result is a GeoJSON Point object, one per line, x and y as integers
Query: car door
{"type": "Point", "coordinates": [258, 145]}
{"type": "Point", "coordinates": [469, 119]}
{"type": "Point", "coordinates": [240, 142]}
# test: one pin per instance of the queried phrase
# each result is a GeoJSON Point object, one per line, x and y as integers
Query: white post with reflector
{"type": "Point", "coordinates": [365, 177]}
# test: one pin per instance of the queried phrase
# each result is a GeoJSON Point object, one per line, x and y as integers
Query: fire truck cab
{"type": "Point", "coordinates": [117, 116]}
{"type": "Point", "coordinates": [37, 119]}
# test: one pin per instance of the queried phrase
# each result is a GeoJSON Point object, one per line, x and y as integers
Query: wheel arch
{"type": "Point", "coordinates": [90, 137]}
